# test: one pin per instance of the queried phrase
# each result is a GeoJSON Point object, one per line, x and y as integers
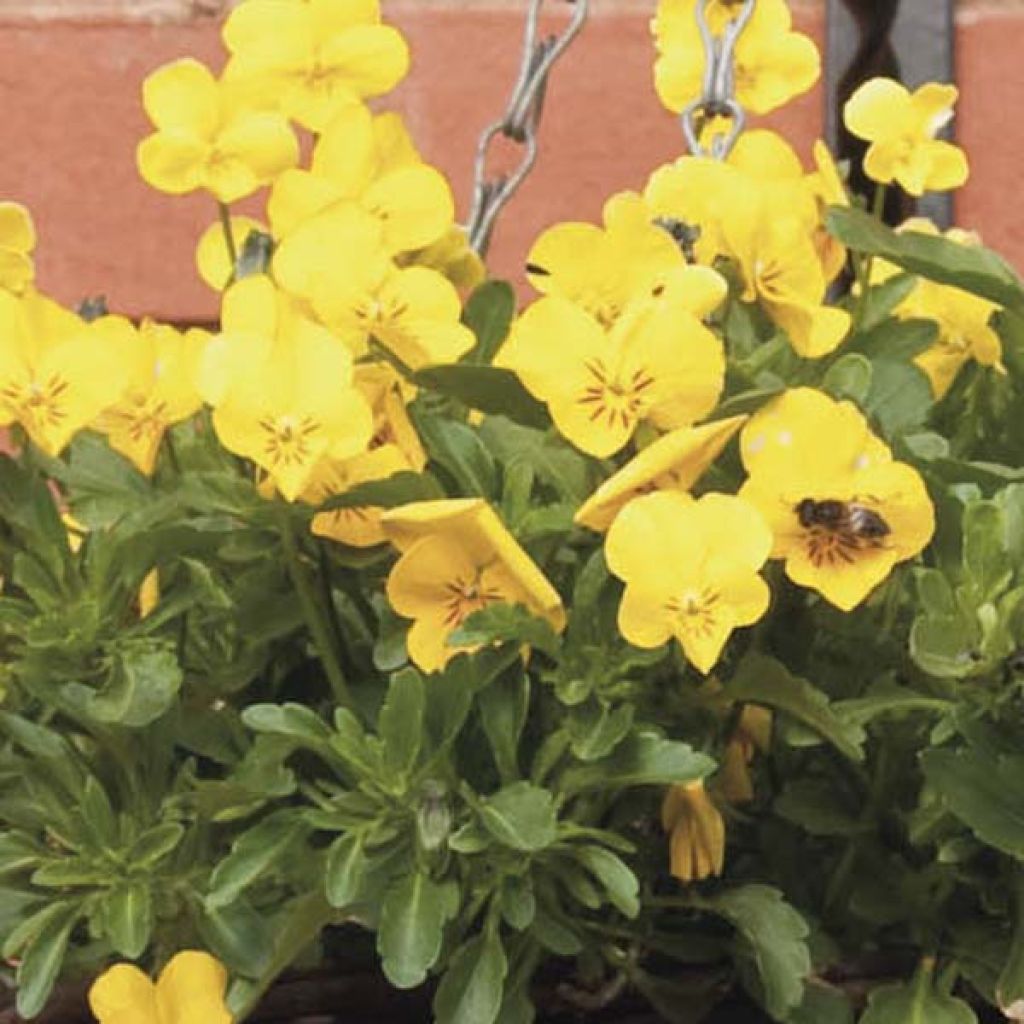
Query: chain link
{"type": "Point", "coordinates": [520, 122]}
{"type": "Point", "coordinates": [719, 97]}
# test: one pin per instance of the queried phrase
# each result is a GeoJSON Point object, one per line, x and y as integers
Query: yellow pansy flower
{"type": "Point", "coordinates": [189, 990]}
{"type": "Point", "coordinates": [690, 569]}
{"type": "Point", "coordinates": [337, 261]}
{"type": "Point", "coordinates": [842, 512]}
{"type": "Point", "coordinates": [452, 256]}
{"type": "Point", "coordinates": [57, 373]}
{"type": "Point", "coordinates": [774, 64]}
{"type": "Point", "coordinates": [675, 462]}
{"type": "Point", "coordinates": [602, 269]}
{"type": "Point", "coordinates": [17, 240]}
{"type": "Point", "coordinates": [206, 138]}
{"type": "Point", "coordinates": [696, 830]}
{"type": "Point", "coordinates": [315, 58]}
{"type": "Point", "coordinates": [753, 732]}
{"type": "Point", "coordinates": [963, 319]}
{"type": "Point", "coordinates": [213, 260]}
{"type": "Point", "coordinates": [358, 527]}
{"type": "Point", "coordinates": [149, 593]}
{"type": "Point", "coordinates": [162, 368]}
{"type": "Point", "coordinates": [901, 127]}
{"type": "Point", "coordinates": [457, 558]}
{"type": "Point", "coordinates": [413, 201]}
{"type": "Point", "coordinates": [387, 395]}
{"type": "Point", "coordinates": [281, 387]}
{"type": "Point", "coordinates": [658, 363]}
{"type": "Point", "coordinates": [828, 188]}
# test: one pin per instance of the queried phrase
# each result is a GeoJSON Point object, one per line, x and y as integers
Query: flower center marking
{"type": "Point", "coordinates": [607, 396]}
{"type": "Point", "coordinates": [39, 403]}
{"type": "Point", "coordinates": [467, 596]}
{"type": "Point", "coordinates": [695, 611]}
{"type": "Point", "coordinates": [288, 440]}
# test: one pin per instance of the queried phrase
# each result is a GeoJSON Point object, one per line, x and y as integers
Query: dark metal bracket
{"type": "Point", "coordinates": [912, 40]}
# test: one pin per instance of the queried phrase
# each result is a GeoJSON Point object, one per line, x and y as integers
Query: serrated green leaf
{"type": "Point", "coordinates": [400, 724]}
{"type": "Point", "coordinates": [413, 916]}
{"type": "Point", "coordinates": [973, 268]}
{"type": "Point", "coordinates": [488, 313]}
{"type": "Point", "coordinates": [240, 936]}
{"type": "Point", "coordinates": [849, 378]}
{"type": "Point", "coordinates": [398, 489]}
{"type": "Point", "coordinates": [777, 939]}
{"type": "Point", "coordinates": [503, 709]}
{"type": "Point", "coordinates": [296, 721]}
{"type": "Point", "coordinates": [597, 729]}
{"type": "Point", "coordinates": [916, 1003]}
{"type": "Point", "coordinates": [42, 960]}
{"type": "Point", "coordinates": [458, 450]}
{"type": "Point", "coordinates": [144, 681]}
{"type": "Point", "coordinates": [521, 816]}
{"type": "Point", "coordinates": [471, 989]}
{"type": "Point", "coordinates": [504, 623]}
{"type": "Point", "coordinates": [763, 680]}
{"type": "Point", "coordinates": [127, 914]}
{"type": "Point", "coordinates": [983, 790]}
{"type": "Point", "coordinates": [619, 882]}
{"type": "Point", "coordinates": [489, 389]}
{"type": "Point", "coordinates": [644, 759]}
{"type": "Point", "coordinates": [346, 869]}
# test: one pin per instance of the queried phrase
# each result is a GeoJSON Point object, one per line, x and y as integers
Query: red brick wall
{"type": "Point", "coordinates": [70, 72]}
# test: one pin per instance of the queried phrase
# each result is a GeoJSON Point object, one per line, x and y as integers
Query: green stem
{"type": "Point", "coordinates": [865, 266]}
{"type": "Point", "coordinates": [229, 235]}
{"type": "Point", "coordinates": [320, 626]}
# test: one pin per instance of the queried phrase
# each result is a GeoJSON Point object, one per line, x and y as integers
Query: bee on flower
{"type": "Point", "coordinates": [843, 513]}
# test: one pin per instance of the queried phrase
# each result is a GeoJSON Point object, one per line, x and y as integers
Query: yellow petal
{"type": "Point", "coordinates": [182, 98]}
{"type": "Point", "coordinates": [673, 462]}
{"type": "Point", "coordinates": [17, 232]}
{"type": "Point", "coordinates": [191, 988]}
{"type": "Point", "coordinates": [212, 259]}
{"type": "Point", "coordinates": [878, 109]}
{"type": "Point", "coordinates": [124, 995]}
{"type": "Point", "coordinates": [415, 205]}
{"type": "Point", "coordinates": [253, 148]}
{"type": "Point", "coordinates": [372, 59]}
{"type": "Point", "coordinates": [171, 164]}
{"type": "Point", "coordinates": [346, 153]}
{"type": "Point", "coordinates": [296, 196]}
{"type": "Point", "coordinates": [932, 105]}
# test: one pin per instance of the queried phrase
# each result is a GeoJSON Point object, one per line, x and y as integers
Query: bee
{"type": "Point", "coordinates": [847, 518]}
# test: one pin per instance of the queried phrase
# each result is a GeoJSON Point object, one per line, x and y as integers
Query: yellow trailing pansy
{"type": "Point", "coordinates": [458, 558]}
{"type": "Point", "coordinates": [696, 832]}
{"type": "Point", "coordinates": [964, 320]}
{"type": "Point", "coordinates": [387, 395]}
{"type": "Point", "coordinates": [690, 569]}
{"type": "Point", "coordinates": [213, 260]}
{"type": "Point", "coordinates": [358, 526]}
{"type": "Point", "coordinates": [162, 367]}
{"type": "Point", "coordinates": [190, 989]}
{"type": "Point", "coordinates": [674, 462]}
{"type": "Point", "coordinates": [207, 137]}
{"type": "Point", "coordinates": [57, 373]}
{"type": "Point", "coordinates": [314, 59]}
{"type": "Point", "coordinates": [602, 269]}
{"type": "Point", "coordinates": [901, 127]}
{"type": "Point", "coordinates": [281, 387]}
{"type": "Point", "coordinates": [351, 160]}
{"type": "Point", "coordinates": [842, 512]}
{"type": "Point", "coordinates": [338, 262]}
{"type": "Point", "coordinates": [774, 64]}
{"type": "Point", "coordinates": [658, 363]}
{"type": "Point", "coordinates": [752, 733]}
{"type": "Point", "coordinates": [17, 242]}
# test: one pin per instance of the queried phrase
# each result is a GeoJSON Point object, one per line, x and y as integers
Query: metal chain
{"type": "Point", "coordinates": [719, 97]}
{"type": "Point", "coordinates": [520, 122]}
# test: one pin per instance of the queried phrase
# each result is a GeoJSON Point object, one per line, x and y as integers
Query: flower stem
{"type": "Point", "coordinates": [229, 235]}
{"type": "Point", "coordinates": [316, 616]}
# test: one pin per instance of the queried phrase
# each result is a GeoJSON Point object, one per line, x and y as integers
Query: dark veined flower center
{"type": "Point", "coordinates": [466, 596]}
{"type": "Point", "coordinates": [41, 404]}
{"type": "Point", "coordinates": [288, 441]}
{"type": "Point", "coordinates": [696, 611]}
{"type": "Point", "coordinates": [607, 396]}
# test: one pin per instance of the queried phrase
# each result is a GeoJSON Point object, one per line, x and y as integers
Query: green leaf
{"type": "Point", "coordinates": [253, 854]}
{"type": "Point", "coordinates": [645, 759]}
{"type": "Point", "coordinates": [945, 646]}
{"type": "Point", "coordinates": [972, 268]}
{"type": "Point", "coordinates": [42, 960]}
{"type": "Point", "coordinates": [488, 314]}
{"type": "Point", "coordinates": [518, 903]}
{"type": "Point", "coordinates": [983, 790]}
{"type": "Point", "coordinates": [413, 916]}
{"type": "Point", "coordinates": [619, 882]}
{"type": "Point", "coordinates": [916, 1003]}
{"type": "Point", "coordinates": [144, 681]}
{"type": "Point", "coordinates": [849, 377]}
{"type": "Point", "coordinates": [597, 729]}
{"type": "Point", "coordinates": [127, 912]}
{"type": "Point", "coordinates": [295, 721]}
{"type": "Point", "coordinates": [884, 298]}
{"type": "Point", "coordinates": [814, 806]}
{"type": "Point", "coordinates": [458, 450]}
{"type": "Point", "coordinates": [822, 1004]}
{"type": "Point", "coordinates": [1010, 986]}
{"type": "Point", "coordinates": [398, 489]}
{"type": "Point", "coordinates": [521, 816]}
{"type": "Point", "coordinates": [401, 720]}
{"type": "Point", "coordinates": [503, 709]}
{"type": "Point", "coordinates": [985, 555]}
{"type": "Point", "coordinates": [471, 989]}
{"type": "Point", "coordinates": [889, 699]}
{"type": "Point", "coordinates": [506, 623]}
{"type": "Point", "coordinates": [240, 936]}
{"type": "Point", "coordinates": [763, 680]}
{"type": "Point", "coordinates": [777, 938]}
{"type": "Point", "coordinates": [900, 396]}
{"type": "Point", "coordinates": [490, 389]}
{"type": "Point", "coordinates": [346, 869]}
{"type": "Point", "coordinates": [746, 402]}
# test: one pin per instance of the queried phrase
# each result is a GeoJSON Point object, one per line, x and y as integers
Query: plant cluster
{"type": "Point", "coordinates": [664, 635]}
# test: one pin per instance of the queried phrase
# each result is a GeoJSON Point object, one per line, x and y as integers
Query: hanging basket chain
{"type": "Point", "coordinates": [719, 96]}
{"type": "Point", "coordinates": [520, 122]}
